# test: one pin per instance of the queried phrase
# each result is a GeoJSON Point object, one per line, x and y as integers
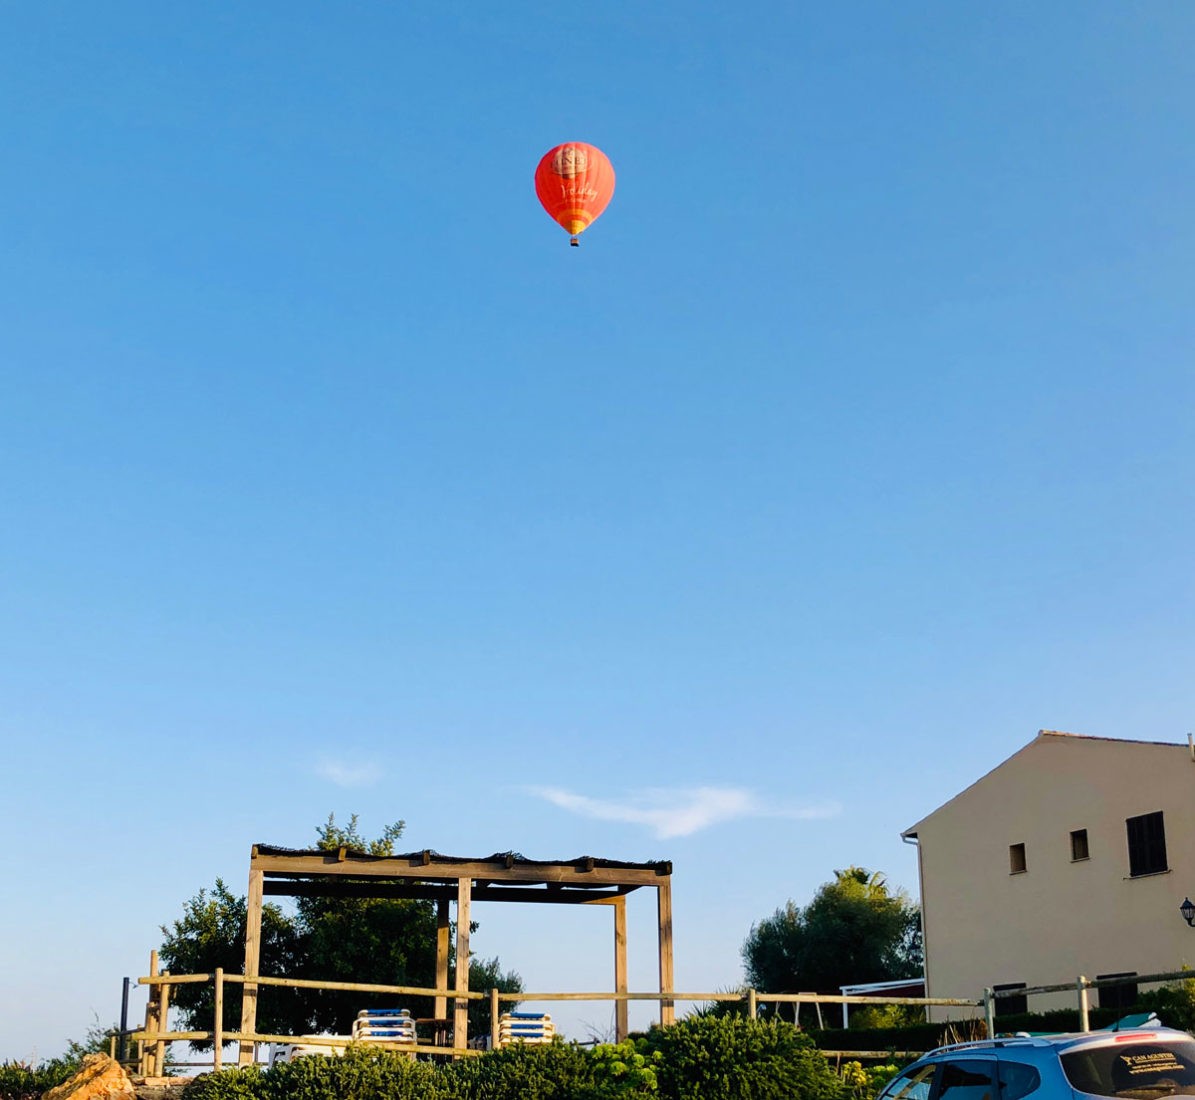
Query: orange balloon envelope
{"type": "Point", "coordinates": [574, 182]}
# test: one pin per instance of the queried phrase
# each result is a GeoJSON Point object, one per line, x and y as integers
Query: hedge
{"type": "Point", "coordinates": [706, 1058]}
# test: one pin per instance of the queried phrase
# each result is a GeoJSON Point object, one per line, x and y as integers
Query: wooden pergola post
{"type": "Point", "coordinates": [621, 1016]}
{"type": "Point", "coordinates": [442, 942]}
{"type": "Point", "coordinates": [151, 1019]}
{"type": "Point", "coordinates": [667, 1005]}
{"type": "Point", "coordinates": [252, 966]}
{"type": "Point", "coordinates": [460, 1015]}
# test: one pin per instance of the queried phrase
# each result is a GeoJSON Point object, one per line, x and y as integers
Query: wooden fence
{"type": "Point", "coordinates": [1081, 987]}
{"type": "Point", "coordinates": [151, 1040]}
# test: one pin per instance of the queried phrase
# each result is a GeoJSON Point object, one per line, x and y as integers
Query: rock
{"type": "Point", "coordinates": [99, 1078]}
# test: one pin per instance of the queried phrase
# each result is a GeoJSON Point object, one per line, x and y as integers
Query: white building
{"type": "Point", "coordinates": [1071, 857]}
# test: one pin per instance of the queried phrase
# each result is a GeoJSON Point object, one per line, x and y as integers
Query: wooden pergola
{"type": "Point", "coordinates": [429, 876]}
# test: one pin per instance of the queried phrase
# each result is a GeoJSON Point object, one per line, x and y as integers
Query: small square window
{"type": "Point", "coordinates": [1079, 845]}
{"type": "Point", "coordinates": [1016, 859]}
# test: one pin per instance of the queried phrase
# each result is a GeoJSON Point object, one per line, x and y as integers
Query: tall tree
{"type": "Point", "coordinates": [854, 930]}
{"type": "Point", "coordinates": [380, 941]}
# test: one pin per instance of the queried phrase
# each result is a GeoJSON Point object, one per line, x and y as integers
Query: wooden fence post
{"type": "Point", "coordinates": [144, 1055]}
{"type": "Point", "coordinates": [163, 1016]}
{"type": "Point", "coordinates": [218, 1026]}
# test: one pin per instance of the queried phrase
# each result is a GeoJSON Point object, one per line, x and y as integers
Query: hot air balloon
{"type": "Point", "coordinates": [574, 182]}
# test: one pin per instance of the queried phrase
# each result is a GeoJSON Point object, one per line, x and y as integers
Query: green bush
{"type": "Point", "coordinates": [730, 1058]}
{"type": "Point", "coordinates": [700, 1058]}
{"type": "Point", "coordinates": [1174, 1004]}
{"type": "Point", "coordinates": [861, 1082]}
{"type": "Point", "coordinates": [19, 1081]}
{"type": "Point", "coordinates": [359, 1075]}
{"type": "Point", "coordinates": [559, 1071]}
{"type": "Point", "coordinates": [629, 1068]}
{"type": "Point", "coordinates": [228, 1084]}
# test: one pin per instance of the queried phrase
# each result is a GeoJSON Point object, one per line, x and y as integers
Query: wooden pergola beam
{"type": "Point", "coordinates": [398, 891]}
{"type": "Point", "coordinates": [360, 865]}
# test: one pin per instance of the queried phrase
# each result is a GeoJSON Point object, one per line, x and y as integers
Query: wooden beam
{"type": "Point", "coordinates": [667, 1004]}
{"type": "Point", "coordinates": [422, 891]}
{"type": "Point", "coordinates": [460, 1016]}
{"type": "Point", "coordinates": [442, 945]}
{"type": "Point", "coordinates": [356, 865]}
{"type": "Point", "coordinates": [252, 965]}
{"type": "Point", "coordinates": [621, 1018]}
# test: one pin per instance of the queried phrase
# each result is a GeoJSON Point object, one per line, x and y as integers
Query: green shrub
{"type": "Point", "coordinates": [1174, 1004]}
{"type": "Point", "coordinates": [359, 1075]}
{"type": "Point", "coordinates": [629, 1068]}
{"type": "Point", "coordinates": [861, 1082]}
{"type": "Point", "coordinates": [730, 1058]}
{"type": "Point", "coordinates": [559, 1071]}
{"type": "Point", "coordinates": [228, 1084]}
{"type": "Point", "coordinates": [21, 1081]}
{"type": "Point", "coordinates": [700, 1058]}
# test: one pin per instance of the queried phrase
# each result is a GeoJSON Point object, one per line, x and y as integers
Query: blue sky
{"type": "Point", "coordinates": [852, 447]}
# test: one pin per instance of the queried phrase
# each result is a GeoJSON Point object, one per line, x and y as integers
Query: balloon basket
{"type": "Point", "coordinates": [574, 242]}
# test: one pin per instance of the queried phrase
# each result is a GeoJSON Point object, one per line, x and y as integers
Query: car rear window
{"type": "Point", "coordinates": [1017, 1080]}
{"type": "Point", "coordinates": [968, 1079]}
{"type": "Point", "coordinates": [1134, 1070]}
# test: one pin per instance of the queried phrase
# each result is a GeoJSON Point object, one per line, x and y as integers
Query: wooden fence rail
{"type": "Point", "coordinates": [152, 1039]}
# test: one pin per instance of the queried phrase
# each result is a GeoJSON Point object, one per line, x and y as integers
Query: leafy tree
{"type": "Point", "coordinates": [1173, 1004]}
{"type": "Point", "coordinates": [854, 930]}
{"type": "Point", "coordinates": [487, 974]}
{"type": "Point", "coordinates": [211, 934]}
{"type": "Point", "coordinates": [377, 940]}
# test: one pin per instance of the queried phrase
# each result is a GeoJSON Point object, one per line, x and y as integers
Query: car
{"type": "Point", "coordinates": [1133, 1060]}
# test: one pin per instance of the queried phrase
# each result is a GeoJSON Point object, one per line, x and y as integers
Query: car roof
{"type": "Point", "coordinates": [1062, 1040]}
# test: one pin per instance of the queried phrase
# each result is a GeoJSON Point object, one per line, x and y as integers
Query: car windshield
{"type": "Point", "coordinates": [1142, 1069]}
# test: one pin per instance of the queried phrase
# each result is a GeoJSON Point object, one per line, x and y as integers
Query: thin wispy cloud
{"type": "Point", "coordinates": [681, 812]}
{"type": "Point", "coordinates": [348, 775]}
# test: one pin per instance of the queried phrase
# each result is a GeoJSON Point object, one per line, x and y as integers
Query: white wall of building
{"type": "Point", "coordinates": [1059, 918]}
